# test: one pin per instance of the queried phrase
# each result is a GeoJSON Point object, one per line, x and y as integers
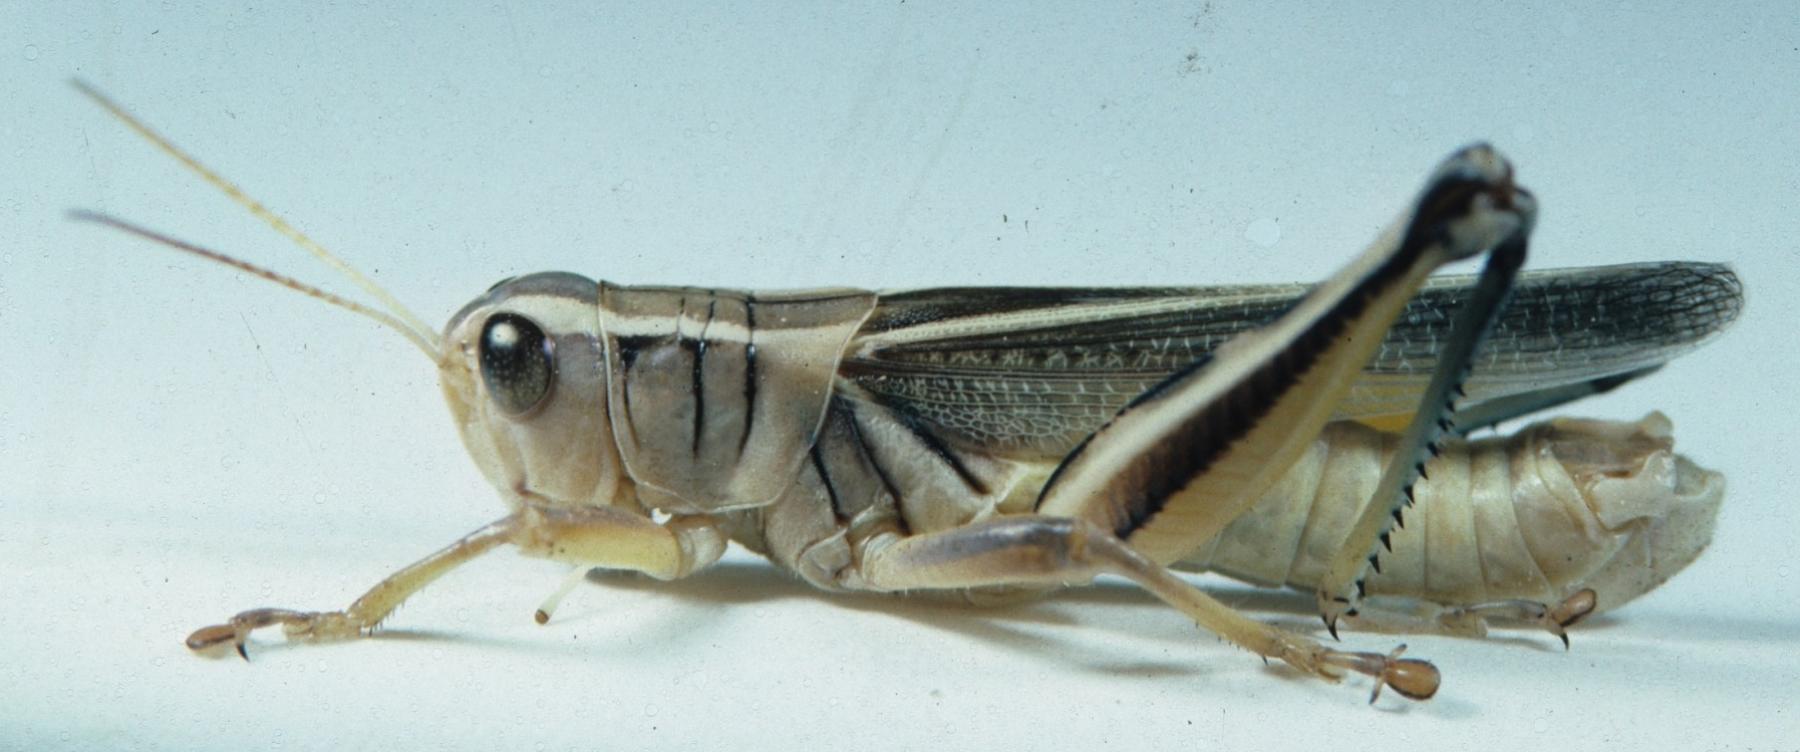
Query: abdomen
{"type": "Point", "coordinates": [1553, 508]}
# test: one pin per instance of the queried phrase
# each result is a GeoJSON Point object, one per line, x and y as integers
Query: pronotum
{"type": "Point", "coordinates": [994, 440]}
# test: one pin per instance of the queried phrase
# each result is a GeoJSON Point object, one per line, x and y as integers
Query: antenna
{"type": "Point", "coordinates": [397, 316]}
{"type": "Point", "coordinates": [429, 346]}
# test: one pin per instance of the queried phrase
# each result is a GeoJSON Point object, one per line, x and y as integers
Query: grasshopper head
{"type": "Point", "coordinates": [522, 369]}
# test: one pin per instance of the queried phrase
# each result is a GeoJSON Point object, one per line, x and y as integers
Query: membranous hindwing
{"type": "Point", "coordinates": [717, 395]}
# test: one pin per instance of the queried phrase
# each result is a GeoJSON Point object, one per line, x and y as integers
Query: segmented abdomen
{"type": "Point", "coordinates": [1553, 508]}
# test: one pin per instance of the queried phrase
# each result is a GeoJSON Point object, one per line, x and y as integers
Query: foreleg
{"type": "Point", "coordinates": [587, 537]}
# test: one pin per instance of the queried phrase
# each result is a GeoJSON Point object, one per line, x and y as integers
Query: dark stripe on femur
{"type": "Point", "coordinates": [1193, 445]}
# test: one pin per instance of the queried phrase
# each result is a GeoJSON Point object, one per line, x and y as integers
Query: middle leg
{"type": "Point", "coordinates": [1043, 550]}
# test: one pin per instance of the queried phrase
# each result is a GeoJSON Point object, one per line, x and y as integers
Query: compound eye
{"type": "Point", "coordinates": [517, 363]}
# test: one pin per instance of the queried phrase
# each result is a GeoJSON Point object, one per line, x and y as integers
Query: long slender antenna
{"type": "Point", "coordinates": [429, 346]}
{"type": "Point", "coordinates": [401, 318]}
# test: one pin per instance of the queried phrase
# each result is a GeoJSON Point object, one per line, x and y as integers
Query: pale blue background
{"type": "Point", "coordinates": [178, 442]}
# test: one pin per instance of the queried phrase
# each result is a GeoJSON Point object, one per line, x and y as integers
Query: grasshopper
{"type": "Point", "coordinates": [999, 440]}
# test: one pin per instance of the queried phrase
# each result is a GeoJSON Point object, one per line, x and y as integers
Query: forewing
{"type": "Point", "coordinates": [1029, 372]}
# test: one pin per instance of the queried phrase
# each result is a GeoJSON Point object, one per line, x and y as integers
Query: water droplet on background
{"type": "Point", "coordinates": [1265, 232]}
{"type": "Point", "coordinates": [31, 52]}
